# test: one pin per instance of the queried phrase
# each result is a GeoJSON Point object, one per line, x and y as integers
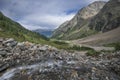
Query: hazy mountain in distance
{"type": "Point", "coordinates": [45, 32]}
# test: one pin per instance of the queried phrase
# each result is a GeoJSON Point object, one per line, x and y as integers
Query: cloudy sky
{"type": "Point", "coordinates": [45, 14]}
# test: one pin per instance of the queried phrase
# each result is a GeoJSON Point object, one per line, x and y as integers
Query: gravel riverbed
{"type": "Point", "coordinates": [28, 61]}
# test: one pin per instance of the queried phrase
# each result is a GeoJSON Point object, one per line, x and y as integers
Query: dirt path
{"type": "Point", "coordinates": [97, 48]}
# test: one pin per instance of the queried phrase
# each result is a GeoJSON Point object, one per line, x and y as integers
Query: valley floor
{"type": "Point", "coordinates": [101, 38]}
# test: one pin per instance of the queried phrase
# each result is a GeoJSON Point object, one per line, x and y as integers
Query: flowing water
{"type": "Point", "coordinates": [41, 67]}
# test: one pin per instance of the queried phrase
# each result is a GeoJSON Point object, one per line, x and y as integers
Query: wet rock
{"type": "Point", "coordinates": [3, 53]}
{"type": "Point", "coordinates": [4, 67]}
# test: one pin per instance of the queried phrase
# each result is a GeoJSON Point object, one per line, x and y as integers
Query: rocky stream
{"type": "Point", "coordinates": [28, 61]}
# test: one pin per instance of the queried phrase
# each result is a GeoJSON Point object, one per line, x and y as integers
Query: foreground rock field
{"type": "Point", "coordinates": [28, 61]}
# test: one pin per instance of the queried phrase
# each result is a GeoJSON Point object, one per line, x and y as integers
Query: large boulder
{"type": "Point", "coordinates": [10, 42]}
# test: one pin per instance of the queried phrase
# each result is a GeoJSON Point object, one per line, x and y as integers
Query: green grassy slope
{"type": "Point", "coordinates": [9, 28]}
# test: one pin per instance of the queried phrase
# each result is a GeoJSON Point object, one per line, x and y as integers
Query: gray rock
{"type": "Point", "coordinates": [44, 48]}
{"type": "Point", "coordinates": [53, 64]}
{"type": "Point", "coordinates": [10, 42]}
{"type": "Point", "coordinates": [1, 40]}
{"type": "Point", "coordinates": [20, 44]}
{"type": "Point", "coordinates": [3, 53]}
{"type": "Point", "coordinates": [4, 67]}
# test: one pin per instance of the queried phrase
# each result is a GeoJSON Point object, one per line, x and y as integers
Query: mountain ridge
{"type": "Point", "coordinates": [82, 18]}
{"type": "Point", "coordinates": [108, 18]}
{"type": "Point", "coordinates": [10, 28]}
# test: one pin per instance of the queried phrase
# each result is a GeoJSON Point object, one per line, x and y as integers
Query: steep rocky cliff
{"type": "Point", "coordinates": [77, 26]}
{"type": "Point", "coordinates": [95, 18]}
{"type": "Point", "coordinates": [108, 18]}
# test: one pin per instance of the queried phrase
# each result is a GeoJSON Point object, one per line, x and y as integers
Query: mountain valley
{"type": "Point", "coordinates": [87, 47]}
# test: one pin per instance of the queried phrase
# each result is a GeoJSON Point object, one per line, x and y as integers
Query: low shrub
{"type": "Point", "coordinates": [78, 48]}
{"type": "Point", "coordinates": [117, 47]}
{"type": "Point", "coordinates": [60, 42]}
{"type": "Point", "coordinates": [92, 53]}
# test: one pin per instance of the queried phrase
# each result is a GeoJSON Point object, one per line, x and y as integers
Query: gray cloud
{"type": "Point", "coordinates": [34, 14]}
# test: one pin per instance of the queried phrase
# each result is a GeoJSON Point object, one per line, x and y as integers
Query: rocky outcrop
{"type": "Point", "coordinates": [29, 61]}
{"type": "Point", "coordinates": [108, 18]}
{"type": "Point", "coordinates": [95, 18]}
{"type": "Point", "coordinates": [80, 20]}
{"type": "Point", "coordinates": [91, 10]}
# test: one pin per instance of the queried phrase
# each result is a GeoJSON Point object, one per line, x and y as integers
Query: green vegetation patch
{"type": "Point", "coordinates": [115, 45]}
{"type": "Point", "coordinates": [12, 29]}
{"type": "Point", "coordinates": [60, 42]}
{"type": "Point", "coordinates": [92, 53]}
{"type": "Point", "coordinates": [78, 48]}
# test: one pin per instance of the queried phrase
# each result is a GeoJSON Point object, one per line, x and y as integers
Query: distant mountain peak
{"type": "Point", "coordinates": [78, 20]}
{"type": "Point", "coordinates": [91, 10]}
